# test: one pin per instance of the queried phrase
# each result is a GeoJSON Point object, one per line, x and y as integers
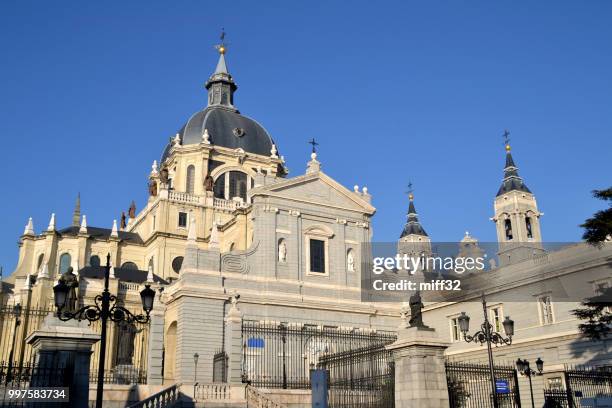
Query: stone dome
{"type": "Point", "coordinates": [227, 128]}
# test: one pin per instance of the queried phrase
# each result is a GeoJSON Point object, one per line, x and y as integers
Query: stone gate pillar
{"type": "Point", "coordinates": [68, 344]}
{"type": "Point", "coordinates": [233, 343]}
{"type": "Point", "coordinates": [155, 353]}
{"type": "Point", "coordinates": [420, 375]}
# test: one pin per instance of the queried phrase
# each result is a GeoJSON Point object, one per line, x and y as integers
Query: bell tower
{"type": "Point", "coordinates": [516, 218]}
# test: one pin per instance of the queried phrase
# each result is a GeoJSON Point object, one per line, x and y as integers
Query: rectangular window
{"type": "Point", "coordinates": [546, 311]}
{"type": "Point", "coordinates": [554, 383]}
{"type": "Point", "coordinates": [182, 220]}
{"type": "Point", "coordinates": [496, 319]}
{"type": "Point", "coordinates": [455, 332]}
{"type": "Point", "coordinates": [317, 256]}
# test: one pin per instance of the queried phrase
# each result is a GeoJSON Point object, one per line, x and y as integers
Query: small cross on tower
{"type": "Point", "coordinates": [506, 137]}
{"type": "Point", "coordinates": [410, 190]}
{"type": "Point", "coordinates": [314, 144]}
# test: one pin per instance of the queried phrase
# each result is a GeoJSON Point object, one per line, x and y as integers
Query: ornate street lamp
{"type": "Point", "coordinates": [195, 373]}
{"type": "Point", "coordinates": [522, 366]}
{"type": "Point", "coordinates": [102, 310]}
{"type": "Point", "coordinates": [487, 335]}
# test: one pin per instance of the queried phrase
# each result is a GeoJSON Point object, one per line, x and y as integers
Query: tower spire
{"type": "Point", "coordinates": [413, 225]}
{"type": "Point", "coordinates": [221, 85]}
{"type": "Point", "coordinates": [512, 181]}
{"type": "Point", "coordinates": [76, 214]}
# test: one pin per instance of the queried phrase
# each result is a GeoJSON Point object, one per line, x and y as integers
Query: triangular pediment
{"type": "Point", "coordinates": [316, 188]}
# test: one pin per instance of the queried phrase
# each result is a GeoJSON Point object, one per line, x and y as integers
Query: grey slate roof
{"type": "Point", "coordinates": [413, 226]}
{"type": "Point", "coordinates": [103, 234]}
{"type": "Point", "coordinates": [226, 128]}
{"type": "Point", "coordinates": [512, 181]}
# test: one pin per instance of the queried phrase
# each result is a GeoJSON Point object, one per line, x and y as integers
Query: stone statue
{"type": "Point", "coordinates": [350, 262]}
{"type": "Point", "coordinates": [152, 188]}
{"type": "Point", "coordinates": [282, 252]}
{"type": "Point", "coordinates": [127, 335]}
{"type": "Point", "coordinates": [163, 176]}
{"type": "Point", "coordinates": [416, 311]}
{"type": "Point", "coordinates": [132, 210]}
{"type": "Point", "coordinates": [208, 183]}
{"type": "Point", "coordinates": [123, 223]}
{"type": "Point", "coordinates": [70, 279]}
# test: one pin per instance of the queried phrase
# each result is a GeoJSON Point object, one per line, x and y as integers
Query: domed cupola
{"type": "Point", "coordinates": [225, 125]}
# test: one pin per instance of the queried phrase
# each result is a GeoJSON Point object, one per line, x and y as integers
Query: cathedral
{"type": "Point", "coordinates": [241, 255]}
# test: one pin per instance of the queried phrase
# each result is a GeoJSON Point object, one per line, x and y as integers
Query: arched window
{"type": "Point", "coordinates": [64, 264]}
{"type": "Point", "coordinates": [94, 261]}
{"type": "Point", "coordinates": [350, 260]}
{"type": "Point", "coordinates": [41, 258]}
{"type": "Point", "coordinates": [190, 180]}
{"type": "Point", "coordinates": [528, 226]}
{"type": "Point", "coordinates": [177, 263]}
{"type": "Point", "coordinates": [508, 229]}
{"type": "Point", "coordinates": [219, 187]}
{"type": "Point", "coordinates": [237, 185]}
{"type": "Point", "coordinates": [150, 267]}
{"type": "Point", "coordinates": [129, 265]}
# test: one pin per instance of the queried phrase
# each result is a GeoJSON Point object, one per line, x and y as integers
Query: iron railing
{"type": "Point", "coordinates": [27, 375]}
{"type": "Point", "coordinates": [280, 355]}
{"type": "Point", "coordinates": [220, 367]}
{"type": "Point", "coordinates": [469, 385]}
{"type": "Point", "coordinates": [582, 382]}
{"type": "Point", "coordinates": [364, 377]}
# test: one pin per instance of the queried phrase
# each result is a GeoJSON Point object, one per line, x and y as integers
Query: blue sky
{"type": "Point", "coordinates": [394, 91]}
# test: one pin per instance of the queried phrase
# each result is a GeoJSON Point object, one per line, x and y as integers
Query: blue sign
{"type": "Point", "coordinates": [319, 381]}
{"type": "Point", "coordinates": [255, 342]}
{"type": "Point", "coordinates": [502, 387]}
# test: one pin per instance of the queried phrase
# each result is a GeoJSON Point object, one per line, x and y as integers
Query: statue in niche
{"type": "Point", "coordinates": [127, 334]}
{"type": "Point", "coordinates": [163, 176]}
{"type": "Point", "coordinates": [152, 188]}
{"type": "Point", "coordinates": [208, 183]}
{"type": "Point", "coordinates": [416, 311]}
{"type": "Point", "coordinates": [70, 279]}
{"type": "Point", "coordinates": [282, 252]}
{"type": "Point", "coordinates": [350, 261]}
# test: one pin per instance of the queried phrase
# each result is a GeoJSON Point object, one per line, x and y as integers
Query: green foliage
{"type": "Point", "coordinates": [599, 226]}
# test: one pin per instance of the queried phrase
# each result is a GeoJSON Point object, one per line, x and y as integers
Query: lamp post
{"type": "Point", "coordinates": [523, 368]}
{"type": "Point", "coordinates": [487, 335]}
{"type": "Point", "coordinates": [17, 315]}
{"type": "Point", "coordinates": [103, 311]}
{"type": "Point", "coordinates": [195, 373]}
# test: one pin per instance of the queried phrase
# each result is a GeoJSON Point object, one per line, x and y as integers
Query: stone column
{"type": "Point", "coordinates": [155, 358]}
{"type": "Point", "coordinates": [420, 375]}
{"type": "Point", "coordinates": [233, 343]}
{"type": "Point", "coordinates": [65, 344]}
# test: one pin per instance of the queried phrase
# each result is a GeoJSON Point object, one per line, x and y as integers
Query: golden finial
{"type": "Point", "coordinates": [507, 140]}
{"type": "Point", "coordinates": [222, 48]}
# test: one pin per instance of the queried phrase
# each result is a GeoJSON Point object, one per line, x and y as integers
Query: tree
{"type": "Point", "coordinates": [598, 228]}
{"type": "Point", "coordinates": [597, 310]}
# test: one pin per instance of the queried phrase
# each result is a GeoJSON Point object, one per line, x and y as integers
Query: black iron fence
{"type": "Point", "coordinates": [580, 383]}
{"type": "Point", "coordinates": [469, 386]}
{"type": "Point", "coordinates": [14, 377]}
{"type": "Point", "coordinates": [280, 355]}
{"type": "Point", "coordinates": [126, 344]}
{"type": "Point", "coordinates": [364, 377]}
{"type": "Point", "coordinates": [220, 367]}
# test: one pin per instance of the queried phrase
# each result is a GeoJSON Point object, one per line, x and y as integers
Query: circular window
{"type": "Point", "coordinates": [177, 263]}
{"type": "Point", "coordinates": [239, 132]}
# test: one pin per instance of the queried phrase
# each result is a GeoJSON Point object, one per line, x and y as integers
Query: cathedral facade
{"type": "Point", "coordinates": [227, 238]}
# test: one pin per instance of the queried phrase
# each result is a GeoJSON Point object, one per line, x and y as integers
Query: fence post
{"type": "Point", "coordinates": [56, 343]}
{"type": "Point", "coordinates": [233, 344]}
{"type": "Point", "coordinates": [420, 374]}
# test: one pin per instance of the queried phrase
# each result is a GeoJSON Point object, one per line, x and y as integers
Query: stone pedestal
{"type": "Point", "coordinates": [420, 375]}
{"type": "Point", "coordinates": [155, 356]}
{"type": "Point", "coordinates": [67, 345]}
{"type": "Point", "coordinates": [233, 344]}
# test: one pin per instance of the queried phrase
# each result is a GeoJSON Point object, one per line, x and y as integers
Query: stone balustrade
{"type": "Point", "coordinates": [183, 197]}
{"type": "Point", "coordinates": [166, 398]}
{"type": "Point", "coordinates": [256, 398]}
